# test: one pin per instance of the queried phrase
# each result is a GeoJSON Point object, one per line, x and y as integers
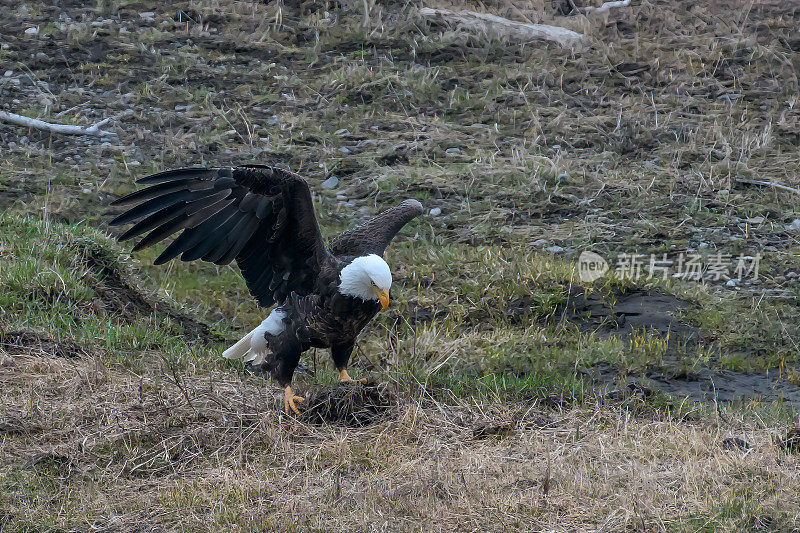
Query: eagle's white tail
{"type": "Point", "coordinates": [238, 350]}
{"type": "Point", "coordinates": [253, 346]}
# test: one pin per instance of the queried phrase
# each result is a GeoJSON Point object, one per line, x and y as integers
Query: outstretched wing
{"type": "Point", "coordinates": [374, 235]}
{"type": "Point", "coordinates": [260, 216]}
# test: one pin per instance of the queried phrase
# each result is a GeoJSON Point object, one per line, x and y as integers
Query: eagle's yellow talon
{"type": "Point", "coordinates": [289, 400]}
{"type": "Point", "coordinates": [344, 377]}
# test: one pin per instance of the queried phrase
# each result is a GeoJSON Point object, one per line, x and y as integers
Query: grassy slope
{"type": "Point", "coordinates": [652, 124]}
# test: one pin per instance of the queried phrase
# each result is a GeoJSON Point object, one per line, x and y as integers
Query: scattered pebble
{"type": "Point", "coordinates": [344, 150]}
{"type": "Point", "coordinates": [330, 183]}
{"type": "Point", "coordinates": [8, 73]}
{"type": "Point", "coordinates": [452, 151]}
{"type": "Point", "coordinates": [563, 177]}
{"type": "Point", "coordinates": [779, 279]}
{"type": "Point", "coordinates": [723, 192]}
{"type": "Point", "coordinates": [555, 249]}
{"type": "Point", "coordinates": [32, 31]}
{"type": "Point", "coordinates": [539, 242]}
{"type": "Point", "coordinates": [794, 226]}
{"type": "Point", "coordinates": [732, 283]}
{"type": "Point", "coordinates": [342, 132]}
{"type": "Point", "coordinates": [791, 275]}
{"type": "Point", "coordinates": [436, 212]}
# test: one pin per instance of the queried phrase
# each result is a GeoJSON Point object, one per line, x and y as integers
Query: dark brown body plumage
{"type": "Point", "coordinates": [263, 218]}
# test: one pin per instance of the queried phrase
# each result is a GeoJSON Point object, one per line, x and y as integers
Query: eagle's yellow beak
{"type": "Point", "coordinates": [382, 295]}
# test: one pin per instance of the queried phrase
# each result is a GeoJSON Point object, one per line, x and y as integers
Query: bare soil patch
{"type": "Point", "coordinates": [22, 342]}
{"type": "Point", "coordinates": [120, 296]}
{"type": "Point", "coordinates": [632, 311]}
{"type": "Point", "coordinates": [704, 385]}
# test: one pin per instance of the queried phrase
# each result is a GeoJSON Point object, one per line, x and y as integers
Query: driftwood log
{"type": "Point", "coordinates": [67, 129]}
{"type": "Point", "coordinates": [502, 28]}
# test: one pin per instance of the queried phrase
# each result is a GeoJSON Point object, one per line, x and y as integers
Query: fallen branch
{"type": "Point", "coordinates": [605, 8]}
{"type": "Point", "coordinates": [772, 184]}
{"type": "Point", "coordinates": [499, 27]}
{"type": "Point", "coordinates": [67, 129]}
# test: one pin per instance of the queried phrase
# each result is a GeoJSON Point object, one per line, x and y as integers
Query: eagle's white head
{"type": "Point", "coordinates": [368, 278]}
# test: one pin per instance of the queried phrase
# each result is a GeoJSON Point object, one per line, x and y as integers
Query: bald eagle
{"type": "Point", "coordinates": [263, 218]}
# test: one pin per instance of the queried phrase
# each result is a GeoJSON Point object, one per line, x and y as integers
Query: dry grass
{"type": "Point", "coordinates": [88, 445]}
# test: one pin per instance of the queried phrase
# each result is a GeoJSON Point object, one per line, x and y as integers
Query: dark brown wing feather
{"type": "Point", "coordinates": [260, 216]}
{"type": "Point", "coordinates": [374, 235]}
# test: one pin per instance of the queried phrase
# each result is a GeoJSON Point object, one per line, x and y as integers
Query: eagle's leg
{"type": "Point", "coordinates": [341, 356]}
{"type": "Point", "coordinates": [289, 400]}
{"type": "Point", "coordinates": [286, 356]}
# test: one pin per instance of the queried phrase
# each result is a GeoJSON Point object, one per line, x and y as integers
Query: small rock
{"type": "Point", "coordinates": [86, 191]}
{"type": "Point", "coordinates": [8, 73]}
{"type": "Point", "coordinates": [779, 279]}
{"type": "Point", "coordinates": [341, 197]}
{"type": "Point", "coordinates": [435, 212]}
{"type": "Point", "coordinates": [794, 226]}
{"type": "Point", "coordinates": [452, 151]}
{"type": "Point", "coordinates": [330, 183]}
{"type": "Point", "coordinates": [732, 283]}
{"type": "Point", "coordinates": [539, 242]}
{"type": "Point", "coordinates": [148, 15]}
{"type": "Point", "coordinates": [32, 31]}
{"type": "Point", "coordinates": [735, 443]}
{"type": "Point", "coordinates": [563, 177]}
{"type": "Point", "coordinates": [791, 275]}
{"type": "Point", "coordinates": [702, 246]}
{"type": "Point", "coordinates": [555, 249]}
{"type": "Point", "coordinates": [341, 132]}
{"type": "Point", "coordinates": [723, 192]}
{"type": "Point", "coordinates": [344, 150]}
{"type": "Point", "coordinates": [486, 428]}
